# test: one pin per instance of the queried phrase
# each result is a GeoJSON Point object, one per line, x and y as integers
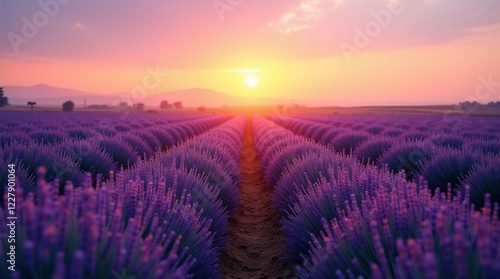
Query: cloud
{"type": "Point", "coordinates": [319, 27]}
{"type": "Point", "coordinates": [189, 35]}
{"type": "Point", "coordinates": [304, 15]}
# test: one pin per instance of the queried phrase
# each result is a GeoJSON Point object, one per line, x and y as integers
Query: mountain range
{"type": "Point", "coordinates": [47, 95]}
{"type": "Point", "coordinates": [194, 97]}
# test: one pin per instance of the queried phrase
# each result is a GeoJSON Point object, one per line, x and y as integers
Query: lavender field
{"type": "Point", "coordinates": [102, 195]}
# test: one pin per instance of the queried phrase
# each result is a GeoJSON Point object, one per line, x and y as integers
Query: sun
{"type": "Point", "coordinates": [252, 81]}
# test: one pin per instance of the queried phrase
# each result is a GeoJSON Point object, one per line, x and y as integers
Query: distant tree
{"type": "Point", "coordinates": [68, 106]}
{"type": "Point", "coordinates": [98, 107]}
{"type": "Point", "coordinates": [201, 109]}
{"type": "Point", "coordinates": [165, 105]}
{"type": "Point", "coordinates": [123, 104]}
{"type": "Point", "coordinates": [4, 101]}
{"type": "Point", "coordinates": [494, 104]}
{"type": "Point", "coordinates": [467, 105]}
{"type": "Point", "coordinates": [32, 104]}
{"type": "Point", "coordinates": [139, 106]}
{"type": "Point", "coordinates": [177, 105]}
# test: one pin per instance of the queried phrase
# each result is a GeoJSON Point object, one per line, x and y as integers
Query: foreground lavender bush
{"type": "Point", "coordinates": [150, 139]}
{"type": "Point", "coordinates": [305, 172]}
{"type": "Point", "coordinates": [59, 166]}
{"type": "Point", "coordinates": [485, 146]}
{"type": "Point", "coordinates": [449, 166]}
{"type": "Point", "coordinates": [141, 147]}
{"type": "Point", "coordinates": [393, 132]}
{"type": "Point", "coordinates": [88, 156]}
{"type": "Point", "coordinates": [327, 199]}
{"type": "Point", "coordinates": [349, 141]}
{"type": "Point", "coordinates": [118, 227]}
{"type": "Point", "coordinates": [373, 148]}
{"type": "Point", "coordinates": [287, 157]}
{"type": "Point", "coordinates": [48, 136]}
{"type": "Point", "coordinates": [223, 175]}
{"type": "Point", "coordinates": [122, 153]}
{"type": "Point", "coordinates": [165, 138]}
{"type": "Point", "coordinates": [447, 140]}
{"type": "Point", "coordinates": [275, 145]}
{"type": "Point", "coordinates": [405, 233]}
{"type": "Point", "coordinates": [181, 183]}
{"type": "Point", "coordinates": [413, 135]}
{"type": "Point", "coordinates": [214, 170]}
{"type": "Point", "coordinates": [408, 156]}
{"type": "Point", "coordinates": [80, 133]}
{"type": "Point", "coordinates": [6, 138]}
{"type": "Point", "coordinates": [381, 225]}
{"type": "Point", "coordinates": [484, 180]}
{"type": "Point", "coordinates": [25, 180]}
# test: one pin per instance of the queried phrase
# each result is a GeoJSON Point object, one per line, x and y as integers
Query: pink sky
{"type": "Point", "coordinates": [347, 52]}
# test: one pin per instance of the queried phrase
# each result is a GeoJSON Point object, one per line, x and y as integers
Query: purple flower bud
{"type": "Point", "coordinates": [29, 253]}
{"type": "Point", "coordinates": [76, 269]}
{"type": "Point", "coordinates": [60, 267]}
{"type": "Point", "coordinates": [430, 266]}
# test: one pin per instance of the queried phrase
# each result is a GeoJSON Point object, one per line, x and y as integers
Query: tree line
{"type": "Point", "coordinates": [475, 104]}
{"type": "Point", "coordinates": [70, 105]}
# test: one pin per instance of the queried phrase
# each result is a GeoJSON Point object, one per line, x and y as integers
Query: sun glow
{"type": "Point", "coordinates": [252, 81]}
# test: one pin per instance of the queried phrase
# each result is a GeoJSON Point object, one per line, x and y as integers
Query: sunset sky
{"type": "Point", "coordinates": [336, 52]}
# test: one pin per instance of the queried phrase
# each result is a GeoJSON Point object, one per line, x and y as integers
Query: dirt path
{"type": "Point", "coordinates": [255, 229]}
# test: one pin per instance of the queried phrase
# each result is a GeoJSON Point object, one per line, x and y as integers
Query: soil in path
{"type": "Point", "coordinates": [255, 229]}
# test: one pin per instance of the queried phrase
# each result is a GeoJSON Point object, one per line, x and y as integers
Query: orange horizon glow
{"type": "Point", "coordinates": [294, 61]}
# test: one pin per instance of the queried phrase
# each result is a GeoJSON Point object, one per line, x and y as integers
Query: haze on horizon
{"type": "Point", "coordinates": [335, 52]}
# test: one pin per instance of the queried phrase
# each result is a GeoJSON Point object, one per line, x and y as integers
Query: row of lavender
{"type": "Point", "coordinates": [80, 143]}
{"type": "Point", "coordinates": [344, 219]}
{"type": "Point", "coordinates": [165, 217]}
{"type": "Point", "coordinates": [424, 146]}
{"type": "Point", "coordinates": [50, 127]}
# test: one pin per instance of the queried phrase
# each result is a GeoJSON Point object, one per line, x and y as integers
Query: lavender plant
{"type": "Point", "coordinates": [449, 166]}
{"type": "Point", "coordinates": [122, 153]}
{"type": "Point", "coordinates": [407, 156]}
{"type": "Point", "coordinates": [165, 138]}
{"type": "Point", "coordinates": [406, 233]}
{"type": "Point", "coordinates": [88, 156]}
{"type": "Point", "coordinates": [150, 139]}
{"type": "Point", "coordinates": [120, 226]}
{"type": "Point", "coordinates": [80, 134]}
{"type": "Point", "coordinates": [141, 147]}
{"type": "Point", "coordinates": [348, 142]}
{"type": "Point", "coordinates": [32, 156]}
{"type": "Point", "coordinates": [373, 148]}
{"type": "Point", "coordinates": [327, 199]}
{"type": "Point", "coordinates": [483, 180]}
{"type": "Point", "coordinates": [48, 136]}
{"type": "Point", "coordinates": [485, 146]}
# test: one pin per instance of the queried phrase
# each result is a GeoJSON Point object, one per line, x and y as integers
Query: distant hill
{"type": "Point", "coordinates": [195, 97]}
{"type": "Point", "coordinates": [41, 91]}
